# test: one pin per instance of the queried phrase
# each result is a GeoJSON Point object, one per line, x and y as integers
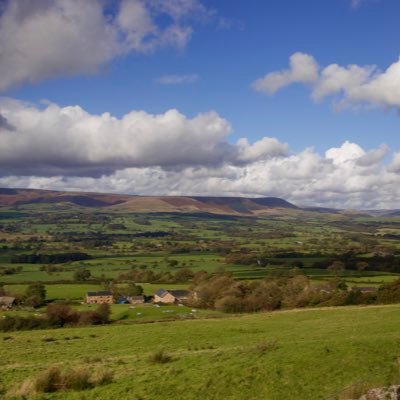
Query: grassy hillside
{"type": "Point", "coordinates": [307, 354]}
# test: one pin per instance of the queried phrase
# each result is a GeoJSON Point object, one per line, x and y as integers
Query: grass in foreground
{"type": "Point", "coordinates": [301, 354]}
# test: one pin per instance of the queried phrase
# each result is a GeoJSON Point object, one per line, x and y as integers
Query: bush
{"type": "Point", "coordinates": [160, 357]}
{"type": "Point", "coordinates": [55, 379]}
{"type": "Point", "coordinates": [48, 381]}
{"type": "Point", "coordinates": [104, 312]}
{"type": "Point", "coordinates": [61, 314]}
{"type": "Point", "coordinates": [16, 323]}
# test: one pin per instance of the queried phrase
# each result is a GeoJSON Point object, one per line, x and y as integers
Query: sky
{"type": "Point", "coordinates": [284, 98]}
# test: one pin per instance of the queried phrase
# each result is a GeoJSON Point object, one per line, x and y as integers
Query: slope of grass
{"type": "Point", "coordinates": [304, 354]}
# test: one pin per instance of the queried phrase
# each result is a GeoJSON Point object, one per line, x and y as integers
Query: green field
{"type": "Point", "coordinates": [292, 355]}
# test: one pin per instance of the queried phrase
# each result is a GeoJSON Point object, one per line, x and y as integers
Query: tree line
{"type": "Point", "coordinates": [222, 292]}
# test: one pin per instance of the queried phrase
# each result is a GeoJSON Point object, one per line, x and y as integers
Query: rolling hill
{"type": "Point", "coordinates": [122, 202]}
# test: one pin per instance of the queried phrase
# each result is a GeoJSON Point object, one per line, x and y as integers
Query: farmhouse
{"type": "Point", "coordinates": [6, 302]}
{"type": "Point", "coordinates": [171, 296]}
{"type": "Point", "coordinates": [102, 297]}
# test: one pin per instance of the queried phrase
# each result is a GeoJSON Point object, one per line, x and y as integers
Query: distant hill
{"type": "Point", "coordinates": [206, 204]}
{"type": "Point", "coordinates": [221, 205]}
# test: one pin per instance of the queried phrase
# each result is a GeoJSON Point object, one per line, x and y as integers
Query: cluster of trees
{"type": "Point", "coordinates": [10, 270]}
{"type": "Point", "coordinates": [136, 275]}
{"type": "Point", "coordinates": [223, 293]}
{"type": "Point", "coordinates": [82, 274]}
{"type": "Point", "coordinates": [348, 260]}
{"type": "Point", "coordinates": [34, 296]}
{"type": "Point", "coordinates": [132, 289]}
{"type": "Point", "coordinates": [384, 263]}
{"type": "Point", "coordinates": [49, 258]}
{"type": "Point", "coordinates": [57, 316]}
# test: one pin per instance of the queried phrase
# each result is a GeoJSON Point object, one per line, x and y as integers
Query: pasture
{"type": "Point", "coordinates": [291, 355]}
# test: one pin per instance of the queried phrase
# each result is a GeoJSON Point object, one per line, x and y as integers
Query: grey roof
{"type": "Point", "coordinates": [100, 293]}
{"type": "Point", "coordinates": [173, 292]}
{"type": "Point", "coordinates": [179, 293]}
{"type": "Point", "coordinates": [135, 297]}
{"type": "Point", "coordinates": [161, 292]}
{"type": "Point", "coordinates": [6, 301]}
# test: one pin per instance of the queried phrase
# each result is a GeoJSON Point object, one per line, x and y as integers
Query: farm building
{"type": "Point", "coordinates": [102, 297]}
{"type": "Point", "coordinates": [171, 296]}
{"type": "Point", "coordinates": [135, 299]}
{"type": "Point", "coordinates": [6, 302]}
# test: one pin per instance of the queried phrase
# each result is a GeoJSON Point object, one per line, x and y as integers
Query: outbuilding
{"type": "Point", "coordinates": [7, 302]}
{"type": "Point", "coordinates": [101, 297]}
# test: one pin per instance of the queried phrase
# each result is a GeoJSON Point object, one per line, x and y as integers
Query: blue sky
{"type": "Point", "coordinates": [232, 44]}
{"type": "Point", "coordinates": [260, 37]}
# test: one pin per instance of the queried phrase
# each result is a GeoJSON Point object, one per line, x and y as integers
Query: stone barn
{"type": "Point", "coordinates": [102, 297]}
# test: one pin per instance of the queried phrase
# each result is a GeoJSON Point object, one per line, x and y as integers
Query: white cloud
{"type": "Point", "coordinates": [352, 84]}
{"type": "Point", "coordinates": [42, 39]}
{"type": "Point", "coordinates": [373, 157]}
{"type": "Point", "coordinates": [71, 141]}
{"type": "Point", "coordinates": [68, 148]}
{"type": "Point", "coordinates": [177, 79]}
{"type": "Point", "coordinates": [257, 151]}
{"type": "Point", "coordinates": [347, 152]}
{"type": "Point", "coordinates": [303, 68]}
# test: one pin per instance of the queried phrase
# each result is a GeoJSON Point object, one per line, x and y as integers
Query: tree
{"type": "Point", "coordinates": [134, 290]}
{"type": "Point", "coordinates": [61, 314]}
{"type": "Point", "coordinates": [35, 294]}
{"type": "Point", "coordinates": [82, 275]}
{"type": "Point", "coordinates": [104, 312]}
{"type": "Point", "coordinates": [184, 275]}
{"type": "Point", "coordinates": [336, 267]}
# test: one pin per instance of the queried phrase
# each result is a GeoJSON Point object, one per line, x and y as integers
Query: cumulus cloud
{"type": "Point", "coordinates": [62, 148]}
{"type": "Point", "coordinates": [177, 79]}
{"type": "Point", "coordinates": [336, 179]}
{"type": "Point", "coordinates": [352, 84]}
{"type": "Point", "coordinates": [48, 38]}
{"type": "Point", "coordinates": [71, 141]}
{"type": "Point", "coordinates": [303, 68]}
{"type": "Point", "coordinates": [253, 152]}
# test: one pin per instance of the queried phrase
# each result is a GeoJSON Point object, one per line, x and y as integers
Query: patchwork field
{"type": "Point", "coordinates": [181, 351]}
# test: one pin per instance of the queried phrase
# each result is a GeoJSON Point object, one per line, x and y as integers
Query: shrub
{"type": "Point", "coordinates": [17, 323]}
{"type": "Point", "coordinates": [55, 379]}
{"type": "Point", "coordinates": [48, 381]}
{"type": "Point", "coordinates": [160, 357]}
{"type": "Point", "coordinates": [61, 314]}
{"type": "Point", "coordinates": [78, 379]}
{"type": "Point", "coordinates": [104, 312]}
